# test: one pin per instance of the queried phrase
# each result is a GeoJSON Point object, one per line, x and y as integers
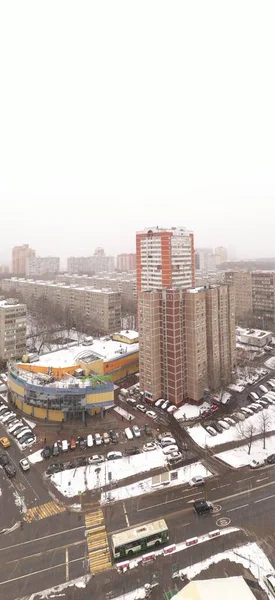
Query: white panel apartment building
{"type": "Point", "coordinates": [41, 265]}
{"type": "Point", "coordinates": [13, 319]}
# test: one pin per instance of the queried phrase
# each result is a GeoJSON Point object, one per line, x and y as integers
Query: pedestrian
{"type": "Point", "coordinates": [45, 440]}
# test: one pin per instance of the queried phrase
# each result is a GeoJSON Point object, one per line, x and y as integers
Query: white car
{"type": "Point", "coordinates": [211, 430]}
{"type": "Point", "coordinates": [24, 464]}
{"type": "Point", "coordinates": [95, 459]}
{"type": "Point", "coordinates": [197, 480]}
{"type": "Point", "coordinates": [171, 409]}
{"type": "Point", "coordinates": [174, 457]}
{"type": "Point", "coordinates": [159, 402]}
{"type": "Point", "coordinates": [90, 440]}
{"type": "Point", "coordinates": [13, 425]}
{"type": "Point", "coordinates": [151, 414]}
{"type": "Point", "coordinates": [165, 404]}
{"type": "Point", "coordinates": [5, 414]}
{"type": "Point", "coordinates": [247, 412]}
{"type": "Point", "coordinates": [170, 449]}
{"type": "Point", "coordinates": [167, 441]}
{"type": "Point", "coordinates": [141, 408]}
{"type": "Point", "coordinates": [149, 446]}
{"type": "Point", "coordinates": [229, 421]}
{"type": "Point", "coordinates": [257, 463]}
{"type": "Point", "coordinates": [98, 439]}
{"type": "Point", "coordinates": [114, 455]}
{"type": "Point", "coordinates": [255, 407]}
{"type": "Point", "coordinates": [136, 431]}
{"type": "Point", "coordinates": [224, 424]}
{"type": "Point", "coordinates": [263, 389]}
{"type": "Point", "coordinates": [8, 416]}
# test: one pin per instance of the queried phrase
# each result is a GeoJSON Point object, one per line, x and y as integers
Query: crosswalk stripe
{"type": "Point", "coordinates": [43, 511]}
{"type": "Point", "coordinates": [97, 542]}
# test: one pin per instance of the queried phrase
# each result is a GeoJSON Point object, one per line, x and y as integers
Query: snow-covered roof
{"type": "Point", "coordinates": [207, 589]}
{"type": "Point", "coordinates": [10, 303]}
{"type": "Point", "coordinates": [259, 333]}
{"type": "Point", "coordinates": [103, 348]}
{"type": "Point", "coordinates": [129, 334]}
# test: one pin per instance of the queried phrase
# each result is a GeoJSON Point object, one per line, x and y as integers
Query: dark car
{"type": "Point", "coordinates": [202, 506]}
{"type": "Point", "coordinates": [55, 449]}
{"type": "Point", "coordinates": [113, 436]}
{"type": "Point", "coordinates": [218, 427]}
{"type": "Point", "coordinates": [271, 459]}
{"type": "Point", "coordinates": [10, 470]}
{"type": "Point", "coordinates": [46, 452]}
{"type": "Point", "coordinates": [26, 437]}
{"type": "Point", "coordinates": [4, 460]}
{"type": "Point", "coordinates": [18, 429]}
{"type": "Point", "coordinates": [132, 451]}
{"type": "Point", "coordinates": [82, 443]}
{"type": "Point", "coordinates": [148, 429]}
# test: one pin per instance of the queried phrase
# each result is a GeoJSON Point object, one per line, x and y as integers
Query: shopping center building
{"type": "Point", "coordinates": [75, 381]}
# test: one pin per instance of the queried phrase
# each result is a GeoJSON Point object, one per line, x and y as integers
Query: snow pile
{"type": "Point", "coordinates": [31, 424]}
{"type": "Point", "coordinates": [233, 434]}
{"type": "Point", "coordinates": [236, 388]}
{"type": "Point", "coordinates": [190, 411]}
{"type": "Point", "coordinates": [239, 457]}
{"type": "Point", "coordinates": [124, 413]}
{"type": "Point", "coordinates": [223, 397]}
{"type": "Point", "coordinates": [74, 481]}
{"type": "Point", "coordinates": [20, 502]}
{"type": "Point", "coordinates": [250, 556]}
{"type": "Point", "coordinates": [35, 457]}
{"type": "Point", "coordinates": [183, 475]}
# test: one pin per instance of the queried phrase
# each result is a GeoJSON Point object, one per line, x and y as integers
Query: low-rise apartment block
{"type": "Point", "coordinates": [125, 283]}
{"type": "Point", "coordinates": [13, 318]}
{"type": "Point", "coordinates": [38, 266]}
{"type": "Point", "coordinates": [90, 264]}
{"type": "Point", "coordinates": [187, 341]}
{"type": "Point", "coordinates": [100, 309]}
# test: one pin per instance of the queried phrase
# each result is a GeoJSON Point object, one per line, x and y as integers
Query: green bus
{"type": "Point", "coordinates": [139, 539]}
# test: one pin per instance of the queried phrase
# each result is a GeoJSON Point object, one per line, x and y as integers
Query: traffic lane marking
{"type": "Point", "coordinates": [43, 552]}
{"type": "Point", "coordinates": [263, 478]}
{"type": "Point", "coordinates": [45, 537]}
{"type": "Point", "coordinates": [237, 507]}
{"type": "Point", "coordinates": [168, 501]}
{"type": "Point", "coordinates": [266, 498]}
{"type": "Point", "coordinates": [41, 571]}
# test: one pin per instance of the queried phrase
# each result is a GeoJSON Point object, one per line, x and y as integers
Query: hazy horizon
{"type": "Point", "coordinates": [121, 115]}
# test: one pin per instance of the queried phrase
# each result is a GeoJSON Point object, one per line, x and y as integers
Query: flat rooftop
{"type": "Point", "coordinates": [258, 333]}
{"type": "Point", "coordinates": [105, 349]}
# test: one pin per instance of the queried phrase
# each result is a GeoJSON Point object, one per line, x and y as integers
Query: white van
{"type": "Point", "coordinates": [65, 446]}
{"type": "Point", "coordinates": [129, 433]}
{"type": "Point", "coordinates": [90, 440]}
{"type": "Point", "coordinates": [263, 388]}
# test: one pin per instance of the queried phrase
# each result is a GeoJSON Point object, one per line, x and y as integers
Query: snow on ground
{"type": "Point", "coordinates": [190, 411]}
{"type": "Point", "coordinates": [270, 363]}
{"type": "Point", "coordinates": [138, 594]}
{"type": "Point", "coordinates": [124, 413]}
{"type": "Point", "coordinates": [239, 457]}
{"type": "Point", "coordinates": [203, 439]}
{"type": "Point", "coordinates": [184, 474]}
{"type": "Point", "coordinates": [35, 457]}
{"type": "Point", "coordinates": [73, 481]}
{"type": "Point", "coordinates": [223, 397]}
{"type": "Point", "coordinates": [31, 424]}
{"type": "Point", "coordinates": [250, 556]}
{"type": "Point", "coordinates": [236, 388]}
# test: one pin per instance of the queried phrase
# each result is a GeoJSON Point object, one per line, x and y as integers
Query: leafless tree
{"type": "Point", "coordinates": [246, 432]}
{"type": "Point", "coordinates": [264, 421]}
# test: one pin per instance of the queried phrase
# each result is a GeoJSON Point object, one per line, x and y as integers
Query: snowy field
{"type": "Point", "coordinates": [73, 481]}
{"type": "Point", "coordinates": [123, 413]}
{"type": "Point", "coordinates": [270, 363]}
{"type": "Point", "coordinates": [239, 457]}
{"type": "Point", "coordinates": [203, 439]}
{"type": "Point", "coordinates": [184, 474]}
{"type": "Point", "coordinates": [190, 411]}
{"type": "Point", "coordinates": [251, 556]}
{"type": "Point", "coordinates": [35, 457]}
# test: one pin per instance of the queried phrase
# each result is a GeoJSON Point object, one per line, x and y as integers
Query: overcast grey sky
{"type": "Point", "coordinates": [117, 114]}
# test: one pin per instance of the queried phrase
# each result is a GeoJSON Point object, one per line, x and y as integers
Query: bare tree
{"type": "Point", "coordinates": [246, 432]}
{"type": "Point", "coordinates": [264, 421]}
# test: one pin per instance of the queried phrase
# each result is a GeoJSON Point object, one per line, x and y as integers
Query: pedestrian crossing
{"type": "Point", "coordinates": [97, 542]}
{"type": "Point", "coordinates": [43, 511]}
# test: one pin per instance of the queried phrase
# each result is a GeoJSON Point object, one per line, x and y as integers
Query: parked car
{"type": "Point", "coordinates": [26, 437]}
{"type": "Point", "coordinates": [174, 457]}
{"type": "Point", "coordinates": [197, 480]}
{"type": "Point", "coordinates": [149, 446]}
{"type": "Point", "coordinates": [65, 445]}
{"type": "Point", "coordinates": [213, 408]}
{"type": "Point", "coordinates": [114, 436]}
{"type": "Point", "coordinates": [129, 433]}
{"type": "Point", "coordinates": [20, 435]}
{"type": "Point", "coordinates": [263, 402]}
{"type": "Point", "coordinates": [8, 416]}
{"type": "Point", "coordinates": [229, 420]}
{"type": "Point", "coordinates": [158, 403]}
{"type": "Point", "coordinates": [114, 455]}
{"type": "Point", "coordinates": [165, 404]}
{"type": "Point", "coordinates": [106, 439]}
{"type": "Point", "coordinates": [271, 459]}
{"type": "Point", "coordinates": [5, 413]}
{"type": "Point", "coordinates": [263, 388]}
{"type": "Point", "coordinates": [132, 402]}
{"type": "Point", "coordinates": [136, 431]}
{"type": "Point", "coordinates": [55, 449]}
{"type": "Point", "coordinates": [18, 428]}
{"type": "Point", "coordinates": [141, 408]}
{"type": "Point", "coordinates": [217, 426]}
{"type": "Point", "coordinates": [170, 449]}
{"type": "Point", "coordinates": [210, 430]}
{"type": "Point", "coordinates": [90, 440]}
{"type": "Point", "coordinates": [132, 451]}
{"type": "Point", "coordinates": [171, 409]}
{"type": "Point", "coordinates": [12, 426]}
{"type": "Point", "coordinates": [166, 434]}
{"type": "Point", "coordinates": [5, 442]}
{"type": "Point", "coordinates": [167, 441]}
{"type": "Point", "coordinates": [4, 460]}
{"type": "Point", "coordinates": [82, 443]}
{"type": "Point", "coordinates": [96, 459]}
{"type": "Point", "coordinates": [247, 412]}
{"type": "Point", "coordinates": [148, 429]}
{"type": "Point", "coordinates": [28, 442]}
{"type": "Point", "coordinates": [98, 439]}
{"type": "Point", "coordinates": [256, 463]}
{"type": "Point", "coordinates": [24, 464]}
{"type": "Point", "coordinates": [72, 443]}
{"type": "Point", "coordinates": [151, 414]}
{"type": "Point", "coordinates": [255, 407]}
{"type": "Point", "coordinates": [271, 382]}
{"type": "Point", "coordinates": [203, 506]}
{"type": "Point", "coordinates": [253, 396]}
{"type": "Point", "coordinates": [238, 416]}
{"type": "Point", "coordinates": [10, 470]}
{"type": "Point", "coordinates": [46, 452]}
{"type": "Point", "coordinates": [224, 424]}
